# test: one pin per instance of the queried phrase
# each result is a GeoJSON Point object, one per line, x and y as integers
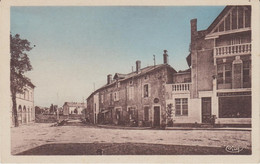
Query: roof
{"type": "Point", "coordinates": [184, 71]}
{"type": "Point", "coordinates": [122, 77]}
{"type": "Point", "coordinates": [219, 17]}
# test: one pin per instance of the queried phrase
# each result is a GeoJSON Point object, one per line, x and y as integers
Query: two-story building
{"type": "Point", "coordinates": [136, 98]}
{"type": "Point", "coordinates": [219, 79]}
{"type": "Point", "coordinates": [25, 105]}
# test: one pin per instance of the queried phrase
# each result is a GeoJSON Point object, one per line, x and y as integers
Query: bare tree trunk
{"type": "Point", "coordinates": [14, 108]}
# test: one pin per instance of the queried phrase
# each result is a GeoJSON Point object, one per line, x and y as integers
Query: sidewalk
{"type": "Point", "coordinates": [224, 128]}
{"type": "Point", "coordinates": [173, 128]}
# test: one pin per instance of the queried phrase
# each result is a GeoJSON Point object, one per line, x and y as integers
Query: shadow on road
{"type": "Point", "coordinates": [127, 149]}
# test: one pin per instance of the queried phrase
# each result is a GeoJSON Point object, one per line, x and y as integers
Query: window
{"type": "Point", "coordinates": [235, 107]}
{"type": "Point", "coordinates": [224, 73]}
{"type": "Point", "coordinates": [246, 72]}
{"type": "Point", "coordinates": [146, 113]}
{"type": "Point", "coordinates": [111, 97]}
{"type": "Point", "coordinates": [118, 113]}
{"type": "Point", "coordinates": [102, 98]}
{"type": "Point", "coordinates": [181, 107]}
{"type": "Point", "coordinates": [131, 93]}
{"type": "Point", "coordinates": [146, 92]}
{"type": "Point", "coordinates": [116, 96]}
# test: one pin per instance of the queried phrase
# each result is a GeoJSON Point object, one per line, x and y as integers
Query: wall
{"type": "Point", "coordinates": [182, 77]}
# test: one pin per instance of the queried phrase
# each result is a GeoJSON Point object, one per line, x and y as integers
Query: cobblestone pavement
{"type": "Point", "coordinates": [29, 136]}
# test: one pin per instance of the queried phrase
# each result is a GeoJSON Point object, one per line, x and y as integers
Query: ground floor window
{"type": "Point", "coordinates": [235, 107]}
{"type": "Point", "coordinates": [181, 107]}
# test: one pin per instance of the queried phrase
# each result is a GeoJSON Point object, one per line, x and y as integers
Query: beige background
{"type": "Point", "coordinates": [5, 114]}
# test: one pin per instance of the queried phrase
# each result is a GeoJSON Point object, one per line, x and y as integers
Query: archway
{"type": "Point", "coordinates": [24, 115]}
{"type": "Point", "coordinates": [19, 114]}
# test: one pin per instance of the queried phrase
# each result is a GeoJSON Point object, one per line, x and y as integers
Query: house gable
{"type": "Point", "coordinates": [231, 20]}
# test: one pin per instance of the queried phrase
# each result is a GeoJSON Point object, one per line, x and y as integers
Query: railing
{"type": "Point", "coordinates": [181, 87]}
{"type": "Point", "coordinates": [232, 50]}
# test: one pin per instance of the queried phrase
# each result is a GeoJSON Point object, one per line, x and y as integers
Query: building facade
{"type": "Point", "coordinates": [132, 99]}
{"type": "Point", "coordinates": [25, 105]}
{"type": "Point", "coordinates": [216, 86]}
{"type": "Point", "coordinates": [73, 108]}
{"type": "Point", "coordinates": [220, 72]}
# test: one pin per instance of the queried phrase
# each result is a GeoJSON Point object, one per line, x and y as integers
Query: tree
{"type": "Point", "coordinates": [19, 64]}
{"type": "Point", "coordinates": [51, 109]}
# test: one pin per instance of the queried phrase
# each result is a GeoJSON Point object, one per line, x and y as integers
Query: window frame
{"type": "Point", "coordinates": [182, 106]}
{"type": "Point", "coordinates": [146, 90]}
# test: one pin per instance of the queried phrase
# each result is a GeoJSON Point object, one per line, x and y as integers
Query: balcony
{"type": "Point", "coordinates": [181, 88]}
{"type": "Point", "coordinates": [232, 50]}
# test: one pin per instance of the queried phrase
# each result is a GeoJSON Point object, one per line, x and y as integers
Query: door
{"type": "Point", "coordinates": [206, 109]}
{"type": "Point", "coordinates": [156, 116]}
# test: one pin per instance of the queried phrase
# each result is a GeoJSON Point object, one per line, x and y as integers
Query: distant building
{"type": "Point", "coordinates": [25, 105]}
{"type": "Point", "coordinates": [216, 86]}
{"type": "Point", "coordinates": [73, 108]}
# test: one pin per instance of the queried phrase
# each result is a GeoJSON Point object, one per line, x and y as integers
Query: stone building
{"type": "Point", "coordinates": [136, 98]}
{"type": "Point", "coordinates": [73, 108]}
{"type": "Point", "coordinates": [219, 79]}
{"type": "Point", "coordinates": [217, 83]}
{"type": "Point", "coordinates": [25, 105]}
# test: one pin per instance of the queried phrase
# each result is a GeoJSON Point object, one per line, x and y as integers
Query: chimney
{"type": "Point", "coordinates": [193, 24]}
{"type": "Point", "coordinates": [138, 66]}
{"type": "Point", "coordinates": [165, 57]}
{"type": "Point", "coordinates": [109, 79]}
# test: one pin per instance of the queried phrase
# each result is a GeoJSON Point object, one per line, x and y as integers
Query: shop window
{"type": "Point", "coordinates": [235, 107]}
{"type": "Point", "coordinates": [181, 107]}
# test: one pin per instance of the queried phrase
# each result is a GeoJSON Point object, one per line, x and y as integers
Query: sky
{"type": "Point", "coordinates": [77, 47]}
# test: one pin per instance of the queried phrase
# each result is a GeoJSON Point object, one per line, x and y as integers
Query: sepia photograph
{"type": "Point", "coordinates": [134, 80]}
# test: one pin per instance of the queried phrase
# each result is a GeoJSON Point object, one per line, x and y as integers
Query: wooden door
{"type": "Point", "coordinates": [156, 116]}
{"type": "Point", "coordinates": [206, 109]}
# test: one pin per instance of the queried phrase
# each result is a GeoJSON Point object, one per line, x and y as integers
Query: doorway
{"type": "Point", "coordinates": [156, 121]}
{"type": "Point", "coordinates": [206, 109]}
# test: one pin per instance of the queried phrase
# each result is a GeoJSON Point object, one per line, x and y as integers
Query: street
{"type": "Point", "coordinates": [37, 134]}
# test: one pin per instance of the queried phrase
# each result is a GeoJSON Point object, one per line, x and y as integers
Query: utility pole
{"type": "Point", "coordinates": [57, 111]}
{"type": "Point", "coordinates": [94, 86]}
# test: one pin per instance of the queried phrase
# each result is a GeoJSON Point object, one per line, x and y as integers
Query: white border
{"type": "Point", "coordinates": [5, 84]}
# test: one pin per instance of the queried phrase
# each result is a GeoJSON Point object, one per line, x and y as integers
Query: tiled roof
{"type": "Point", "coordinates": [143, 71]}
